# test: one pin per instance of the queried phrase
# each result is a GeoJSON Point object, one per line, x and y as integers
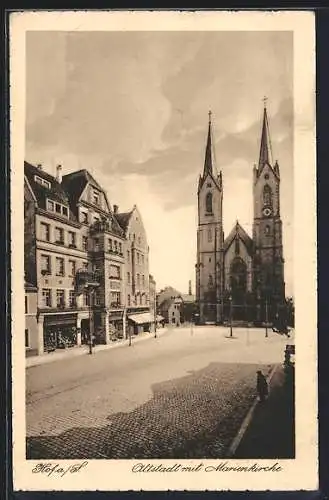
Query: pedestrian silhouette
{"type": "Point", "coordinates": [262, 387]}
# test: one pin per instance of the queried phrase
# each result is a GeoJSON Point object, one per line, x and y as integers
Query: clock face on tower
{"type": "Point", "coordinates": [267, 211]}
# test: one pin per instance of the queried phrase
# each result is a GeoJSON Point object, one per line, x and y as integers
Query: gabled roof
{"type": "Point", "coordinates": [56, 192]}
{"type": "Point", "coordinates": [123, 219]}
{"type": "Point", "coordinates": [187, 298]}
{"type": "Point", "coordinates": [239, 232]}
{"type": "Point", "coordinates": [76, 182]}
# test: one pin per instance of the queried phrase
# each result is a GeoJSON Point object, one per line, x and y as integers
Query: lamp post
{"type": "Point", "coordinates": [231, 330]}
{"type": "Point", "coordinates": [155, 320]}
{"type": "Point", "coordinates": [91, 329]}
{"type": "Point", "coordinates": [266, 318]}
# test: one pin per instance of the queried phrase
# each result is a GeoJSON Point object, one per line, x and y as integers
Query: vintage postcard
{"type": "Point", "coordinates": [163, 201]}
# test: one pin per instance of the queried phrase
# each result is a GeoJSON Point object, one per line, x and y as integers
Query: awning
{"type": "Point", "coordinates": [160, 318]}
{"type": "Point", "coordinates": [141, 318]}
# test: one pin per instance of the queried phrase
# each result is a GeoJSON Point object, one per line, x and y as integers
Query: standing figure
{"type": "Point", "coordinates": [262, 387]}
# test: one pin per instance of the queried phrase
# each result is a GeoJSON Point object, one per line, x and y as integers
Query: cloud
{"type": "Point", "coordinates": [132, 107]}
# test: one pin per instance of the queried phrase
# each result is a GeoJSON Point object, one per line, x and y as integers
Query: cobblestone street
{"type": "Point", "coordinates": [182, 395]}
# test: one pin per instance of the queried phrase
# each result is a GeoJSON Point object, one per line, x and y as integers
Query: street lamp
{"type": "Point", "coordinates": [91, 295]}
{"type": "Point", "coordinates": [266, 317]}
{"type": "Point", "coordinates": [231, 330]}
{"type": "Point", "coordinates": [155, 321]}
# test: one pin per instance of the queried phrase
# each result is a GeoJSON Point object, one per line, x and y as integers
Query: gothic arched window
{"type": "Point", "coordinates": [267, 195]}
{"type": "Point", "coordinates": [209, 235]}
{"type": "Point", "coordinates": [238, 277]}
{"type": "Point", "coordinates": [211, 281]}
{"type": "Point", "coordinates": [267, 230]}
{"type": "Point", "coordinates": [209, 203]}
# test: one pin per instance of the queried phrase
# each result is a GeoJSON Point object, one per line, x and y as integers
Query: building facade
{"type": "Point", "coordinates": [240, 274]}
{"type": "Point", "coordinates": [70, 227]}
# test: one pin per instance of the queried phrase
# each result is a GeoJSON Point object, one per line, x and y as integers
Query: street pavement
{"type": "Point", "coordinates": [271, 432]}
{"type": "Point", "coordinates": [182, 395]}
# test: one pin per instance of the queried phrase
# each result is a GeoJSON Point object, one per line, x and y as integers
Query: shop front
{"type": "Point", "coordinates": [59, 331]}
{"type": "Point", "coordinates": [139, 323]}
{"type": "Point", "coordinates": [116, 329]}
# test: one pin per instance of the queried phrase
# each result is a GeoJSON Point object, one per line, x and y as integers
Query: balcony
{"type": "Point", "coordinates": [101, 226]}
{"type": "Point", "coordinates": [116, 305]}
{"type": "Point", "coordinates": [45, 272]}
{"type": "Point", "coordinates": [72, 245]}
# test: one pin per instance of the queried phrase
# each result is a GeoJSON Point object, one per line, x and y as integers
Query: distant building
{"type": "Point", "coordinates": [171, 310]}
{"type": "Point", "coordinates": [70, 227]}
{"type": "Point", "coordinates": [188, 307]}
{"type": "Point", "coordinates": [167, 293]}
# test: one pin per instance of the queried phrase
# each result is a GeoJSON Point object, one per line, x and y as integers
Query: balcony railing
{"type": "Point", "coordinates": [101, 226]}
{"type": "Point", "coordinates": [116, 305]}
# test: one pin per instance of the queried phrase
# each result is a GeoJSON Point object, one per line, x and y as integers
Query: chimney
{"type": "Point", "coordinates": [115, 209]}
{"type": "Point", "coordinates": [39, 166]}
{"type": "Point", "coordinates": [59, 174]}
{"type": "Point", "coordinates": [190, 287]}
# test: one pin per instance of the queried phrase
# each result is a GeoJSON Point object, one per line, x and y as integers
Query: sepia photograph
{"type": "Point", "coordinates": [158, 249]}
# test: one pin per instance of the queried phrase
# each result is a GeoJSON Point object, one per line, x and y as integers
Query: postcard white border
{"type": "Point", "coordinates": [300, 473]}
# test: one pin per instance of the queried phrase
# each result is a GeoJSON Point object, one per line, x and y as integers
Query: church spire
{"type": "Point", "coordinates": [208, 166]}
{"type": "Point", "coordinates": [265, 154]}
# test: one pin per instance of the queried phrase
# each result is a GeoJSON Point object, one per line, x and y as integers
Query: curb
{"type": "Point", "coordinates": [245, 424]}
{"type": "Point", "coordinates": [80, 351]}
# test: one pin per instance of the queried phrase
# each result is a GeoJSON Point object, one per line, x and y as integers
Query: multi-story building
{"type": "Point", "coordinates": [31, 304]}
{"type": "Point", "coordinates": [69, 227]}
{"type": "Point", "coordinates": [137, 283]}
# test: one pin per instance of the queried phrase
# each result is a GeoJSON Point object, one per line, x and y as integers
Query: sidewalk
{"type": "Point", "coordinates": [84, 349]}
{"type": "Point", "coordinates": [271, 431]}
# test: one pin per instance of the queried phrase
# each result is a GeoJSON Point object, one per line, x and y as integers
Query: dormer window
{"type": "Point", "coordinates": [84, 217]}
{"type": "Point", "coordinates": [50, 205]}
{"type": "Point", "coordinates": [96, 197]}
{"type": "Point", "coordinates": [42, 182]}
{"type": "Point", "coordinates": [58, 208]}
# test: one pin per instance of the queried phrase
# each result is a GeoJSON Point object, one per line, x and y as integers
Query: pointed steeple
{"type": "Point", "coordinates": [208, 166]}
{"type": "Point", "coordinates": [265, 154]}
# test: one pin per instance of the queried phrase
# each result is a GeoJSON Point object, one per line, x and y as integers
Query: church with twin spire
{"type": "Point", "coordinates": [240, 277]}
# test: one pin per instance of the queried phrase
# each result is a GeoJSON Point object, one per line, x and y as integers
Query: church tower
{"type": "Point", "coordinates": [268, 265]}
{"type": "Point", "coordinates": [209, 266]}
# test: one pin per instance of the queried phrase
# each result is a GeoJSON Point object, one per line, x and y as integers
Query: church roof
{"type": "Point", "coordinates": [239, 232]}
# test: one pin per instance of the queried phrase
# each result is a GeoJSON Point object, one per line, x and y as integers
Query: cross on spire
{"type": "Point", "coordinates": [209, 114]}
{"type": "Point", "coordinates": [265, 99]}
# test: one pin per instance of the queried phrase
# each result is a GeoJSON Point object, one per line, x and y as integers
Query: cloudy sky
{"type": "Point", "coordinates": [132, 108]}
